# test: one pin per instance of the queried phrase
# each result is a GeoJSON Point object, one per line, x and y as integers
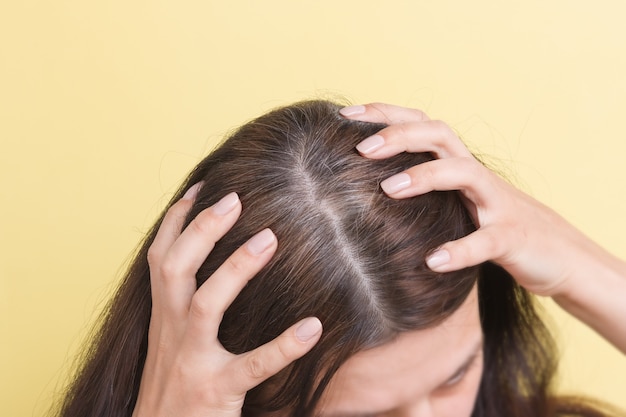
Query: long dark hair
{"type": "Point", "coordinates": [347, 254]}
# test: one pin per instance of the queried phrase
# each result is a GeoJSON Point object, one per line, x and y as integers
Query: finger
{"type": "Point", "coordinates": [428, 136]}
{"type": "Point", "coordinates": [178, 270]}
{"type": "Point", "coordinates": [172, 223]}
{"type": "Point", "coordinates": [214, 296]}
{"type": "Point", "coordinates": [480, 246]}
{"type": "Point", "coordinates": [383, 113]}
{"type": "Point", "coordinates": [464, 174]}
{"type": "Point", "coordinates": [256, 366]}
{"type": "Point", "coordinates": [168, 232]}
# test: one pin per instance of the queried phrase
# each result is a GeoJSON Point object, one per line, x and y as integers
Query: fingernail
{"type": "Point", "coordinates": [226, 204]}
{"type": "Point", "coordinates": [371, 144]}
{"type": "Point", "coordinates": [261, 241]}
{"type": "Point", "coordinates": [396, 183]}
{"type": "Point", "coordinates": [192, 192]}
{"type": "Point", "coordinates": [308, 329]}
{"type": "Point", "coordinates": [352, 110]}
{"type": "Point", "coordinates": [437, 259]}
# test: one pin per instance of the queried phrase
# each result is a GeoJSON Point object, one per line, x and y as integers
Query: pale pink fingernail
{"type": "Point", "coordinates": [396, 183]}
{"type": "Point", "coordinates": [370, 144]}
{"type": "Point", "coordinates": [261, 241]}
{"type": "Point", "coordinates": [308, 329]}
{"type": "Point", "coordinates": [438, 259]}
{"type": "Point", "coordinates": [352, 110]}
{"type": "Point", "coordinates": [226, 204]}
{"type": "Point", "coordinates": [192, 192]}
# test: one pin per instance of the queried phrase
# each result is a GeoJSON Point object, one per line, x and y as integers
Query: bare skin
{"type": "Point", "coordinates": [430, 372]}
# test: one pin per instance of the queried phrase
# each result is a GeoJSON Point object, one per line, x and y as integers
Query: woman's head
{"type": "Point", "coordinates": [347, 253]}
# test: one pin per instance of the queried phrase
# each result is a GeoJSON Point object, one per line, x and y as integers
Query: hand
{"type": "Point", "coordinates": [544, 253]}
{"type": "Point", "coordinates": [525, 237]}
{"type": "Point", "coordinates": [187, 371]}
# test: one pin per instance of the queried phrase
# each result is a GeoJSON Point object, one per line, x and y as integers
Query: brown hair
{"type": "Point", "coordinates": [347, 254]}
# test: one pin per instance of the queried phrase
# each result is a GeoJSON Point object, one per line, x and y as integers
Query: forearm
{"type": "Point", "coordinates": [596, 294]}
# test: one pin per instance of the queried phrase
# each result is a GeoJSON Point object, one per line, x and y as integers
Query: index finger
{"type": "Point", "coordinates": [216, 294]}
{"type": "Point", "coordinates": [267, 360]}
{"type": "Point", "coordinates": [383, 113]}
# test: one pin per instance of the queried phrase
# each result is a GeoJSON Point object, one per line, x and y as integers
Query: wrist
{"type": "Point", "coordinates": [595, 293]}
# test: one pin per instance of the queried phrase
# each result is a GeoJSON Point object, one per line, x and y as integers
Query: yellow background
{"type": "Point", "coordinates": [105, 106]}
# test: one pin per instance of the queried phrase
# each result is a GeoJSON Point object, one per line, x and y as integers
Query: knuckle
{"type": "Point", "coordinates": [458, 253]}
{"type": "Point", "coordinates": [473, 171]}
{"type": "Point", "coordinates": [428, 172]}
{"type": "Point", "coordinates": [201, 308]}
{"type": "Point", "coordinates": [439, 126]}
{"type": "Point", "coordinates": [462, 253]}
{"type": "Point", "coordinates": [443, 131]}
{"type": "Point", "coordinates": [254, 367]}
{"type": "Point", "coordinates": [394, 114]}
{"type": "Point", "coordinates": [202, 224]}
{"type": "Point", "coordinates": [285, 352]}
{"type": "Point", "coordinates": [179, 209]}
{"type": "Point", "coordinates": [420, 115]}
{"type": "Point", "coordinates": [446, 139]}
{"type": "Point", "coordinates": [378, 105]}
{"type": "Point", "coordinates": [383, 109]}
{"type": "Point", "coordinates": [206, 223]}
{"type": "Point", "coordinates": [443, 134]}
{"type": "Point", "coordinates": [153, 256]}
{"type": "Point", "coordinates": [169, 268]}
{"type": "Point", "coordinates": [402, 130]}
{"type": "Point", "coordinates": [238, 264]}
